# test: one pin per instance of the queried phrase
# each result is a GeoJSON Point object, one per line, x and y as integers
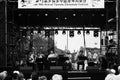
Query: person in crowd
{"type": "Point", "coordinates": [118, 76]}
{"type": "Point", "coordinates": [17, 75]}
{"type": "Point", "coordinates": [110, 74]}
{"type": "Point", "coordinates": [42, 78]}
{"type": "Point", "coordinates": [57, 77]}
{"type": "Point", "coordinates": [8, 77]}
{"type": "Point", "coordinates": [3, 75]}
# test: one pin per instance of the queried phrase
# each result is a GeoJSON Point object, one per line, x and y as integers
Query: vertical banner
{"type": "Point", "coordinates": [61, 4]}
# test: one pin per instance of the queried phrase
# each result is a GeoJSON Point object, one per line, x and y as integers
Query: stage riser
{"type": "Point", "coordinates": [67, 75]}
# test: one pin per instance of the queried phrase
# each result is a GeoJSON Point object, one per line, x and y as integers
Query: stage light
{"type": "Point", "coordinates": [65, 18]}
{"type": "Point", "coordinates": [79, 32]}
{"type": "Point", "coordinates": [19, 14]}
{"type": "Point", "coordinates": [96, 33]}
{"type": "Point", "coordinates": [71, 33]}
{"type": "Point", "coordinates": [37, 14]}
{"type": "Point", "coordinates": [64, 32]}
{"type": "Point", "coordinates": [56, 31]}
{"type": "Point", "coordinates": [74, 14]}
{"type": "Point", "coordinates": [47, 33]}
{"type": "Point", "coordinates": [87, 32]}
{"type": "Point", "coordinates": [46, 14]}
{"type": "Point", "coordinates": [102, 15]}
{"type": "Point", "coordinates": [57, 18]}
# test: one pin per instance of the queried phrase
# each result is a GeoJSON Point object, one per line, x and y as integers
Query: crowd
{"type": "Point", "coordinates": [18, 75]}
{"type": "Point", "coordinates": [111, 74]}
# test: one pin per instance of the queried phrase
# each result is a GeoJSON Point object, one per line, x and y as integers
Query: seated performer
{"type": "Point", "coordinates": [80, 59]}
{"type": "Point", "coordinates": [95, 58]}
{"type": "Point", "coordinates": [52, 58]}
{"type": "Point", "coordinates": [52, 55]}
{"type": "Point", "coordinates": [40, 60]}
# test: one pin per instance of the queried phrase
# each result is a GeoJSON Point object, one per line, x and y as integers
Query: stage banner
{"type": "Point", "coordinates": [60, 4]}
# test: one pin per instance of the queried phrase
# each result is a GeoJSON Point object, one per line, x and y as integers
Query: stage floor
{"type": "Point", "coordinates": [69, 75]}
{"type": "Point", "coordinates": [92, 74]}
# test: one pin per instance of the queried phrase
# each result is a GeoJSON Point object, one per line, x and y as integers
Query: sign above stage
{"type": "Point", "coordinates": [60, 4]}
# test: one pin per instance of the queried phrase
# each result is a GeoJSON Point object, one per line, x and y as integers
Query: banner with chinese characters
{"type": "Point", "coordinates": [60, 4]}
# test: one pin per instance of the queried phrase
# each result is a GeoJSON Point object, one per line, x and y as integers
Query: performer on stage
{"type": "Point", "coordinates": [95, 57]}
{"type": "Point", "coordinates": [80, 59]}
{"type": "Point", "coordinates": [40, 61]}
{"type": "Point", "coordinates": [52, 58]}
{"type": "Point", "coordinates": [68, 54]}
{"type": "Point", "coordinates": [52, 55]}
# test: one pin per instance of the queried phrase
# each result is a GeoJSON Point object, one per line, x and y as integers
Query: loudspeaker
{"type": "Point", "coordinates": [56, 68]}
{"type": "Point", "coordinates": [26, 69]}
{"type": "Point", "coordinates": [92, 68]}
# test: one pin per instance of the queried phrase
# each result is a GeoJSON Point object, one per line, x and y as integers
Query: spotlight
{"type": "Point", "coordinates": [57, 18]}
{"type": "Point", "coordinates": [56, 31]}
{"type": "Point", "coordinates": [63, 32]}
{"type": "Point", "coordinates": [74, 14]}
{"type": "Point", "coordinates": [87, 32]}
{"type": "Point", "coordinates": [79, 32]}
{"type": "Point", "coordinates": [19, 14]}
{"type": "Point", "coordinates": [47, 33]}
{"type": "Point", "coordinates": [96, 33]}
{"type": "Point", "coordinates": [65, 18]}
{"type": "Point", "coordinates": [71, 33]}
{"type": "Point", "coordinates": [46, 14]}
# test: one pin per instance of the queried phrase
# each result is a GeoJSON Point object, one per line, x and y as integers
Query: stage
{"type": "Point", "coordinates": [90, 74]}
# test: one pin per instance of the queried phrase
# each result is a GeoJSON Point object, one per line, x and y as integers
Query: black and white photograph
{"type": "Point", "coordinates": [59, 40]}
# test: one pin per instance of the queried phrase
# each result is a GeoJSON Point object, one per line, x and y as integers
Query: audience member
{"type": "Point", "coordinates": [57, 77]}
{"type": "Point", "coordinates": [3, 75]}
{"type": "Point", "coordinates": [34, 76]}
{"type": "Point", "coordinates": [17, 75]}
{"type": "Point", "coordinates": [111, 74]}
{"type": "Point", "coordinates": [42, 78]}
{"type": "Point", "coordinates": [118, 76]}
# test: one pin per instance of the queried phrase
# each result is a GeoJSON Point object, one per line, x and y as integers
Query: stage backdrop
{"type": "Point", "coordinates": [65, 42]}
